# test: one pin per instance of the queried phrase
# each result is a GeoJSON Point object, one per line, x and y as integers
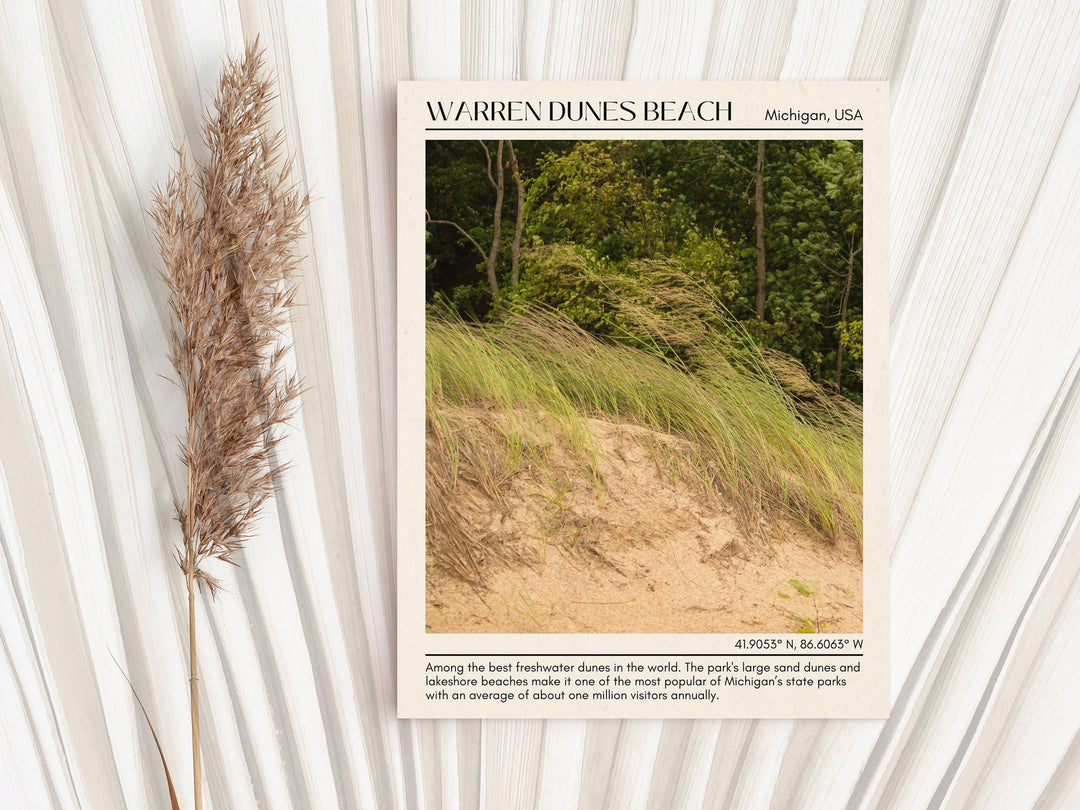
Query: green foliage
{"type": "Point", "coordinates": [804, 624]}
{"type": "Point", "coordinates": [571, 280]}
{"type": "Point", "coordinates": [597, 213]}
{"type": "Point", "coordinates": [595, 197]}
{"type": "Point", "coordinates": [804, 590]}
{"type": "Point", "coordinates": [814, 230]}
{"type": "Point", "coordinates": [471, 300]}
{"type": "Point", "coordinates": [457, 192]}
{"type": "Point", "coordinates": [851, 339]}
{"type": "Point", "coordinates": [713, 260]}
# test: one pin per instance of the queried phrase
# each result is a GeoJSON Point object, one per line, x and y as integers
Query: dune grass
{"type": "Point", "coordinates": [680, 367]}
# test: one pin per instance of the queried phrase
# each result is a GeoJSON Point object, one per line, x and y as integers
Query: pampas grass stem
{"type": "Point", "coordinates": [227, 230]}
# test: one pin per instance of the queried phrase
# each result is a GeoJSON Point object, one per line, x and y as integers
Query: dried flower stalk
{"type": "Point", "coordinates": [227, 231]}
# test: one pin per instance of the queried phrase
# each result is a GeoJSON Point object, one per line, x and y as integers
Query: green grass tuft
{"type": "Point", "coordinates": [680, 367]}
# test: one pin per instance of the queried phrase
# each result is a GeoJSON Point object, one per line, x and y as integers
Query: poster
{"type": "Point", "coordinates": [642, 399]}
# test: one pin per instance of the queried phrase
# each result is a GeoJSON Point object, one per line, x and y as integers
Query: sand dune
{"type": "Point", "coordinates": [633, 548]}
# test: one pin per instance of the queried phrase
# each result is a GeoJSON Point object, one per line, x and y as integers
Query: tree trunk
{"type": "Point", "coordinates": [500, 188]}
{"type": "Point", "coordinates": [843, 313]}
{"type": "Point", "coordinates": [759, 226]}
{"type": "Point", "coordinates": [515, 247]}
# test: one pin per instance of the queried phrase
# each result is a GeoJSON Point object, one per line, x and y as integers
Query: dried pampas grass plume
{"type": "Point", "coordinates": [227, 231]}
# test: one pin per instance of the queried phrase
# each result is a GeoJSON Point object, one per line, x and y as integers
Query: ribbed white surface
{"type": "Point", "coordinates": [297, 656]}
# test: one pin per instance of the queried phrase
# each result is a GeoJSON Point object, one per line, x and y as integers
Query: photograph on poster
{"type": "Point", "coordinates": [644, 384]}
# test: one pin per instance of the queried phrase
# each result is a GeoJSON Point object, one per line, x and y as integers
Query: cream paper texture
{"type": "Point", "coordinates": [299, 669]}
{"type": "Point", "coordinates": [419, 652]}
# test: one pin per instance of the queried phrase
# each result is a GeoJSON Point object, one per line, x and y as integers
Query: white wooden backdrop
{"type": "Point", "coordinates": [297, 663]}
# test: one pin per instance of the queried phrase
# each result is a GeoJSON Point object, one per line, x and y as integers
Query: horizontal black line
{"type": "Point", "coordinates": [643, 129]}
{"type": "Point", "coordinates": [642, 655]}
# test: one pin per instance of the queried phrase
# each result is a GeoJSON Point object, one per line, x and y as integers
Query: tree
{"type": "Point", "coordinates": [519, 219]}
{"type": "Point", "coordinates": [496, 178]}
{"type": "Point", "coordinates": [783, 256]}
{"type": "Point", "coordinates": [491, 254]}
{"type": "Point", "coordinates": [759, 229]}
{"type": "Point", "coordinates": [600, 196]}
{"type": "Point", "coordinates": [757, 175]}
{"type": "Point", "coordinates": [841, 173]}
{"type": "Point", "coordinates": [816, 232]}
